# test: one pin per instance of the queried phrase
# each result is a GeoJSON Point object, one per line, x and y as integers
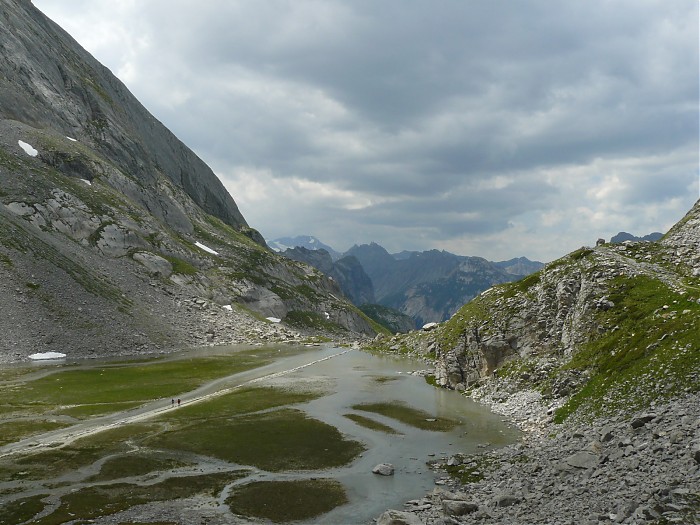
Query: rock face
{"type": "Point", "coordinates": [111, 228]}
{"type": "Point", "coordinates": [48, 81]}
{"type": "Point", "coordinates": [555, 312]}
{"type": "Point", "coordinates": [596, 356]}
{"type": "Point", "coordinates": [346, 271]}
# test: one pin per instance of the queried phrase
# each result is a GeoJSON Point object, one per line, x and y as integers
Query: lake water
{"type": "Point", "coordinates": [352, 377]}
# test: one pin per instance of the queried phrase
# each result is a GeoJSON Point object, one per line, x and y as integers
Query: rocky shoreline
{"type": "Point", "coordinates": [638, 468]}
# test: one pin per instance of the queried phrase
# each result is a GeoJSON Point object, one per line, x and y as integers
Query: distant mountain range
{"type": "Point", "coordinates": [426, 286]}
{"type": "Point", "coordinates": [302, 241]}
{"type": "Point", "coordinates": [624, 236]}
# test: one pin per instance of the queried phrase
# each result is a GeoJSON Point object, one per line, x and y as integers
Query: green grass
{"type": "Point", "coordinates": [21, 510]}
{"type": "Point", "coordinates": [283, 501]}
{"type": "Point", "coordinates": [314, 320]}
{"type": "Point", "coordinates": [135, 383]}
{"type": "Point", "coordinates": [15, 430]}
{"type": "Point", "coordinates": [239, 402]}
{"type": "Point", "coordinates": [92, 502]}
{"type": "Point", "coordinates": [283, 439]}
{"type": "Point", "coordinates": [180, 265]}
{"type": "Point", "coordinates": [409, 415]}
{"type": "Point", "coordinates": [54, 462]}
{"type": "Point", "coordinates": [371, 423]}
{"type": "Point", "coordinates": [129, 465]}
{"type": "Point", "coordinates": [473, 471]}
{"type": "Point", "coordinates": [647, 353]}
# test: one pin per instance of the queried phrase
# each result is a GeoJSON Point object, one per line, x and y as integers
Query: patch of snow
{"type": "Point", "coordinates": [227, 307]}
{"type": "Point", "coordinates": [87, 182]}
{"type": "Point", "coordinates": [274, 319]}
{"type": "Point", "coordinates": [47, 355]}
{"type": "Point", "coordinates": [328, 316]}
{"type": "Point", "coordinates": [205, 248]}
{"type": "Point", "coordinates": [28, 148]}
{"type": "Point", "coordinates": [71, 139]}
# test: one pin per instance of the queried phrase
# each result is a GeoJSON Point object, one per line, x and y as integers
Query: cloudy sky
{"type": "Point", "coordinates": [482, 127]}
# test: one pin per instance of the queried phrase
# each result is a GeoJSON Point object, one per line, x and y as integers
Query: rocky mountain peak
{"type": "Point", "coordinates": [51, 88]}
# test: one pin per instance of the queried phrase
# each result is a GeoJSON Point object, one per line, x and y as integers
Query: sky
{"type": "Point", "coordinates": [482, 127]}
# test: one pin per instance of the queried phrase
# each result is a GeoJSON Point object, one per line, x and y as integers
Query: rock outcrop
{"type": "Point", "coordinates": [110, 226]}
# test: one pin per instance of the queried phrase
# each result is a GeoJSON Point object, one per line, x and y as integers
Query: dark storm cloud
{"type": "Point", "coordinates": [455, 120]}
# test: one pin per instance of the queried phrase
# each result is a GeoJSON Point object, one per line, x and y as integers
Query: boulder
{"type": "Point", "coordinates": [398, 517]}
{"type": "Point", "coordinates": [583, 460]}
{"type": "Point", "coordinates": [384, 469]}
{"type": "Point", "coordinates": [155, 264]}
{"type": "Point", "coordinates": [458, 507]}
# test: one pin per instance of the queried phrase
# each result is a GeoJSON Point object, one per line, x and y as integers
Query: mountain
{"type": "Point", "coordinates": [346, 271]}
{"type": "Point", "coordinates": [521, 266]}
{"type": "Point", "coordinates": [427, 286]}
{"type": "Point", "coordinates": [599, 331]}
{"type": "Point", "coordinates": [114, 236]}
{"type": "Point", "coordinates": [624, 236]}
{"type": "Point", "coordinates": [597, 358]}
{"type": "Point", "coordinates": [302, 241]}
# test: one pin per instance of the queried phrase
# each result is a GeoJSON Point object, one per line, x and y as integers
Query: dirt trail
{"type": "Point", "coordinates": [65, 436]}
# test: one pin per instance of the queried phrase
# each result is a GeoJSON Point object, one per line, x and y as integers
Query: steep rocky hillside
{"type": "Point", "coordinates": [597, 356]}
{"type": "Point", "coordinates": [114, 236]}
{"type": "Point", "coordinates": [601, 330]}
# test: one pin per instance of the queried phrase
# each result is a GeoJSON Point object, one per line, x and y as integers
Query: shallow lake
{"type": "Point", "coordinates": [358, 377]}
{"type": "Point", "coordinates": [347, 378]}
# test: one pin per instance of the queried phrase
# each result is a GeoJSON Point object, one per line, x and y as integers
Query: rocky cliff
{"type": "Point", "coordinates": [585, 328]}
{"type": "Point", "coordinates": [114, 236]}
{"type": "Point", "coordinates": [597, 357]}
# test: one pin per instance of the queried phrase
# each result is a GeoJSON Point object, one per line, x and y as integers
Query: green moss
{"type": "Point", "coordinates": [49, 463]}
{"type": "Point", "coordinates": [649, 351]}
{"type": "Point", "coordinates": [371, 424]}
{"type": "Point", "coordinates": [239, 402]}
{"type": "Point", "coordinates": [283, 501]}
{"type": "Point", "coordinates": [6, 261]}
{"type": "Point", "coordinates": [180, 265]}
{"type": "Point", "coordinates": [409, 415]}
{"type": "Point", "coordinates": [129, 465]}
{"type": "Point", "coordinates": [314, 320]}
{"type": "Point", "coordinates": [116, 387]}
{"type": "Point", "coordinates": [21, 510]}
{"type": "Point", "coordinates": [473, 471]}
{"type": "Point", "coordinates": [92, 502]}
{"type": "Point", "coordinates": [279, 440]}
{"type": "Point", "coordinates": [15, 430]}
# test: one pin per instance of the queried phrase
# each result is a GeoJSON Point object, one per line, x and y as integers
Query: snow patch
{"type": "Point", "coordinates": [71, 139]}
{"type": "Point", "coordinates": [274, 319]}
{"type": "Point", "coordinates": [205, 248]}
{"type": "Point", "coordinates": [227, 307]}
{"type": "Point", "coordinates": [28, 148]}
{"type": "Point", "coordinates": [87, 182]}
{"type": "Point", "coordinates": [47, 355]}
{"type": "Point", "coordinates": [328, 316]}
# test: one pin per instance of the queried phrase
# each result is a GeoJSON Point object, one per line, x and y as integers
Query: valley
{"type": "Point", "coordinates": [311, 421]}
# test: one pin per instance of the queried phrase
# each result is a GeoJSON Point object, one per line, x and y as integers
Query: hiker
{"type": "Point", "coordinates": [172, 402]}
{"type": "Point", "coordinates": [178, 401]}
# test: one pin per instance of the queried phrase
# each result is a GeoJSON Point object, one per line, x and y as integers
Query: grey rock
{"type": "Point", "coordinates": [640, 421]}
{"type": "Point", "coordinates": [398, 517]}
{"type": "Point", "coordinates": [458, 507]}
{"type": "Point", "coordinates": [583, 460]}
{"type": "Point", "coordinates": [384, 469]}
{"type": "Point", "coordinates": [507, 500]}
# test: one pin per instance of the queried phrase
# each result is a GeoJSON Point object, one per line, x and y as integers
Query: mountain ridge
{"type": "Point", "coordinates": [115, 238]}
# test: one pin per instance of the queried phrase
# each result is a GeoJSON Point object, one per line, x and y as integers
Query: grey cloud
{"type": "Point", "coordinates": [418, 103]}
